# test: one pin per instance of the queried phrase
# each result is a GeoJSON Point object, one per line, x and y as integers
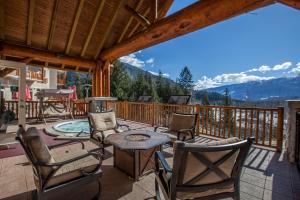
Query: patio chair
{"type": "Point", "coordinates": [102, 125]}
{"type": "Point", "coordinates": [202, 171]}
{"type": "Point", "coordinates": [181, 127]}
{"type": "Point", "coordinates": [71, 175]}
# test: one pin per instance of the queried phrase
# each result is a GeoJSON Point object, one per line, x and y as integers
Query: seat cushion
{"type": "Point", "coordinates": [195, 195]}
{"type": "Point", "coordinates": [74, 169]}
{"type": "Point", "coordinates": [106, 134]}
{"type": "Point", "coordinates": [182, 121]}
{"type": "Point", "coordinates": [103, 121]}
{"type": "Point", "coordinates": [223, 142]}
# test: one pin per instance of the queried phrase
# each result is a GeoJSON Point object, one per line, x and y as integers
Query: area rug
{"type": "Point", "coordinates": [16, 149]}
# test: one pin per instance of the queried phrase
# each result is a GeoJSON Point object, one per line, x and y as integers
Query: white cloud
{"type": "Point", "coordinates": [295, 70]}
{"type": "Point", "coordinates": [265, 68]}
{"type": "Point", "coordinates": [282, 66]}
{"type": "Point", "coordinates": [224, 79]}
{"type": "Point", "coordinates": [156, 74]}
{"type": "Point", "coordinates": [133, 60]}
{"type": "Point", "coordinates": [150, 61]}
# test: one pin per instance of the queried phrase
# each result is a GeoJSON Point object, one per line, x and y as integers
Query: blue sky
{"type": "Point", "coordinates": [260, 45]}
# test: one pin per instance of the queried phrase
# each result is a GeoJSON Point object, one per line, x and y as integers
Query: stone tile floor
{"type": "Point", "coordinates": [266, 175]}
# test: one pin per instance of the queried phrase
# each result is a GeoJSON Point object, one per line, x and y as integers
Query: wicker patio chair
{"type": "Point", "coordinates": [181, 127]}
{"type": "Point", "coordinates": [102, 125]}
{"type": "Point", "coordinates": [202, 171]}
{"type": "Point", "coordinates": [70, 175]}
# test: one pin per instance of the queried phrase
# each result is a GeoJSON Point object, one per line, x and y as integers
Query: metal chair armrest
{"type": "Point", "coordinates": [70, 141]}
{"type": "Point", "coordinates": [159, 158]}
{"type": "Point", "coordinates": [156, 127]}
{"type": "Point", "coordinates": [128, 128]}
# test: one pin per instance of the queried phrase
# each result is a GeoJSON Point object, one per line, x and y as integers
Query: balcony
{"type": "Point", "coordinates": [31, 75]}
{"type": "Point", "coordinates": [266, 173]}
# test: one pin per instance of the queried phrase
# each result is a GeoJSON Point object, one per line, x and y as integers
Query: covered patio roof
{"type": "Point", "coordinates": [87, 35]}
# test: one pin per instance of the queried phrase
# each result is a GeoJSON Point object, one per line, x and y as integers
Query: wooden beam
{"type": "Point", "coordinates": [2, 20]}
{"type": "Point", "coordinates": [154, 11]}
{"type": "Point", "coordinates": [108, 28]}
{"type": "Point", "coordinates": [140, 18]}
{"type": "Point", "coordinates": [138, 24]}
{"type": "Point", "coordinates": [7, 71]}
{"type": "Point", "coordinates": [140, 3]}
{"type": "Point", "coordinates": [74, 26]}
{"type": "Point", "coordinates": [30, 21]}
{"type": "Point", "coordinates": [196, 16]}
{"type": "Point", "coordinates": [53, 23]}
{"type": "Point", "coordinates": [165, 8]}
{"type": "Point", "coordinates": [292, 3]}
{"type": "Point", "coordinates": [91, 31]}
{"type": "Point", "coordinates": [45, 56]}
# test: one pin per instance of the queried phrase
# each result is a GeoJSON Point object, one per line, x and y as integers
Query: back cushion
{"type": "Point", "coordinates": [195, 167]}
{"type": "Point", "coordinates": [181, 121]}
{"type": "Point", "coordinates": [103, 121]}
{"type": "Point", "coordinates": [39, 149]}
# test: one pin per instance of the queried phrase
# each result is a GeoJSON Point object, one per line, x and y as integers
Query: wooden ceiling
{"type": "Point", "coordinates": [73, 29]}
{"type": "Point", "coordinates": [77, 34]}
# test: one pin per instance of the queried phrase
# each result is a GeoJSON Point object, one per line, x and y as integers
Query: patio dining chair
{"type": "Point", "coordinates": [69, 175]}
{"type": "Point", "coordinates": [202, 171]}
{"type": "Point", "coordinates": [102, 125]}
{"type": "Point", "coordinates": [181, 127]}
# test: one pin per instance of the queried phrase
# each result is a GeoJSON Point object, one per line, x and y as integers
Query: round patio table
{"type": "Point", "coordinates": [134, 151]}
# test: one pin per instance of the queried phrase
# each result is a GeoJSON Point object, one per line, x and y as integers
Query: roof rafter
{"type": "Point", "coordinates": [138, 24]}
{"type": "Point", "coordinates": [75, 22]}
{"type": "Point", "coordinates": [154, 11]}
{"type": "Point", "coordinates": [129, 22]}
{"type": "Point", "coordinates": [196, 16]}
{"type": "Point", "coordinates": [91, 31]}
{"type": "Point", "coordinates": [140, 18]}
{"type": "Point", "coordinates": [30, 21]}
{"type": "Point", "coordinates": [108, 28]}
{"type": "Point", "coordinates": [2, 20]}
{"type": "Point", "coordinates": [53, 23]}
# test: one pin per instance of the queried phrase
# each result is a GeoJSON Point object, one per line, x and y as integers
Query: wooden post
{"type": "Point", "coordinates": [198, 118]}
{"type": "Point", "coordinates": [22, 100]}
{"type": "Point", "coordinates": [279, 131]}
{"type": "Point", "coordinates": [153, 113]}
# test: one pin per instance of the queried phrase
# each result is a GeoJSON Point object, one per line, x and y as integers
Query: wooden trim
{"type": "Point", "coordinates": [91, 31]}
{"type": "Point", "coordinates": [44, 56]}
{"type": "Point", "coordinates": [108, 28]}
{"type": "Point", "coordinates": [138, 24]}
{"type": "Point", "coordinates": [154, 11]}
{"type": "Point", "coordinates": [140, 3]}
{"type": "Point", "coordinates": [74, 26]}
{"type": "Point", "coordinates": [2, 20]}
{"type": "Point", "coordinates": [140, 18]}
{"type": "Point", "coordinates": [30, 21]}
{"type": "Point", "coordinates": [196, 16]}
{"type": "Point", "coordinates": [292, 3]}
{"type": "Point", "coordinates": [53, 24]}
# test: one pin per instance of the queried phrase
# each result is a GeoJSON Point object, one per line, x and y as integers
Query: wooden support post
{"type": "Point", "coordinates": [279, 131]}
{"type": "Point", "coordinates": [198, 119]}
{"type": "Point", "coordinates": [154, 11]}
{"type": "Point", "coordinates": [22, 100]}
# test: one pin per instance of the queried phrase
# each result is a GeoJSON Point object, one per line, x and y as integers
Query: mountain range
{"type": "Point", "coordinates": [274, 89]}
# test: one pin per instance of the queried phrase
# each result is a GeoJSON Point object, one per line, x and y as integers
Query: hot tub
{"type": "Point", "coordinates": [79, 128]}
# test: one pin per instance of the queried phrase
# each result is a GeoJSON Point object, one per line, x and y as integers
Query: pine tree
{"type": "Point", "coordinates": [120, 82]}
{"type": "Point", "coordinates": [185, 80]}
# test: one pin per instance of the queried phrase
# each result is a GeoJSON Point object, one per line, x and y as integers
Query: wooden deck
{"type": "Point", "coordinates": [266, 175]}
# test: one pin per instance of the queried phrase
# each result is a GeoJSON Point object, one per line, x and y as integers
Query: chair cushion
{"type": "Point", "coordinates": [39, 149]}
{"type": "Point", "coordinates": [195, 195]}
{"type": "Point", "coordinates": [72, 170]}
{"type": "Point", "coordinates": [182, 121]}
{"type": "Point", "coordinates": [106, 134]}
{"type": "Point", "coordinates": [195, 167]}
{"type": "Point", "coordinates": [103, 121]}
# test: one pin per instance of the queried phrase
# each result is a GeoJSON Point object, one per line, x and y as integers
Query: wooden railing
{"type": "Point", "coordinates": [265, 124]}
